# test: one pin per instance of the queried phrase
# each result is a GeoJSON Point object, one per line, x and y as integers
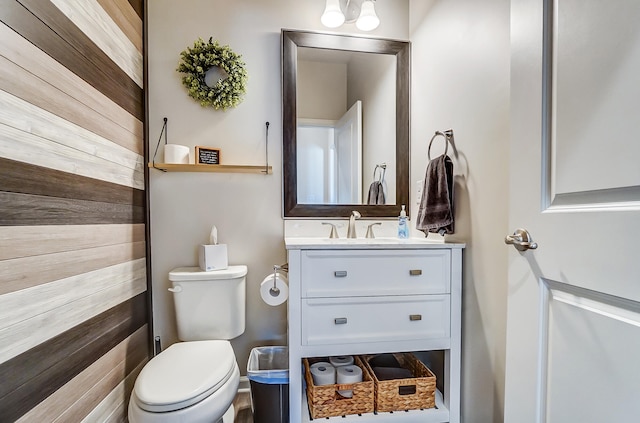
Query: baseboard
{"type": "Point", "coordinates": [244, 386]}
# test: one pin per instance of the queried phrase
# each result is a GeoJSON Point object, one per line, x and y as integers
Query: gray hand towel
{"type": "Point", "coordinates": [435, 213]}
{"type": "Point", "coordinates": [376, 193]}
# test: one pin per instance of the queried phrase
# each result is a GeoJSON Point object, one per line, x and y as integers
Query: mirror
{"type": "Point", "coordinates": [367, 104]}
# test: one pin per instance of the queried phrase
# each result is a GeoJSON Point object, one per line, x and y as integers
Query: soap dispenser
{"type": "Point", "coordinates": [403, 229]}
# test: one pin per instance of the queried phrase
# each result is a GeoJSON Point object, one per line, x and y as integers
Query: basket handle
{"type": "Point", "coordinates": [407, 390]}
{"type": "Point", "coordinates": [346, 386]}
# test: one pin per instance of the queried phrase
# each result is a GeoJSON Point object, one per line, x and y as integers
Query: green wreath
{"type": "Point", "coordinates": [197, 60]}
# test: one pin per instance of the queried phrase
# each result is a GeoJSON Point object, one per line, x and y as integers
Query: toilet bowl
{"type": "Point", "coordinates": [191, 382]}
{"type": "Point", "coordinates": [197, 379]}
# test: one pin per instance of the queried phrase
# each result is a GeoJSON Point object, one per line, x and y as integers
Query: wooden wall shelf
{"type": "Point", "coordinates": [172, 167]}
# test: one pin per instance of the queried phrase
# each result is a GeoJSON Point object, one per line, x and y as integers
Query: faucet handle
{"type": "Point", "coordinates": [370, 233]}
{"type": "Point", "coordinates": [334, 232]}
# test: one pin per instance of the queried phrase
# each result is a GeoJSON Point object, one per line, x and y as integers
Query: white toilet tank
{"type": "Point", "coordinates": [209, 305]}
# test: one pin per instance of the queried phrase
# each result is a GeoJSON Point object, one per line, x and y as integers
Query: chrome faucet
{"type": "Point", "coordinates": [351, 231]}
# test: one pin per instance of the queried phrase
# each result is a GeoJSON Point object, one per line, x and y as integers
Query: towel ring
{"type": "Point", "coordinates": [382, 166]}
{"type": "Point", "coordinates": [446, 143]}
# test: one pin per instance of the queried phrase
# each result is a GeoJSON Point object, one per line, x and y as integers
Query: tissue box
{"type": "Point", "coordinates": [213, 257]}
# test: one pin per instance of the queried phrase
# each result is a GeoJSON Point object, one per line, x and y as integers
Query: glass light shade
{"type": "Point", "coordinates": [332, 16]}
{"type": "Point", "coordinates": [368, 20]}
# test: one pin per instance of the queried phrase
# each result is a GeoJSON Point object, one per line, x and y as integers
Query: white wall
{"type": "Point", "coordinates": [460, 80]}
{"type": "Point", "coordinates": [245, 207]}
{"type": "Point", "coordinates": [322, 90]}
{"type": "Point", "coordinates": [372, 79]}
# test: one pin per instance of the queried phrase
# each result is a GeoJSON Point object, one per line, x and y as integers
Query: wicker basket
{"type": "Point", "coordinates": [405, 394]}
{"type": "Point", "coordinates": [325, 401]}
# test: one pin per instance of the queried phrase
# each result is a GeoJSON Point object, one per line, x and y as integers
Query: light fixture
{"type": "Point", "coordinates": [368, 20]}
{"type": "Point", "coordinates": [362, 12]}
{"type": "Point", "coordinates": [332, 16]}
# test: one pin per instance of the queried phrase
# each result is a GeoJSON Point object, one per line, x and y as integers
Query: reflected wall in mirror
{"type": "Point", "coordinates": [345, 125]}
{"type": "Point", "coordinates": [345, 97]}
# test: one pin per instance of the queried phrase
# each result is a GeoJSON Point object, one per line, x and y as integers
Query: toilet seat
{"type": "Point", "coordinates": [184, 374]}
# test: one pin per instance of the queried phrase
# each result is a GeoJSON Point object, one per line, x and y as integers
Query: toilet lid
{"type": "Point", "coordinates": [184, 274]}
{"type": "Point", "coordinates": [184, 374]}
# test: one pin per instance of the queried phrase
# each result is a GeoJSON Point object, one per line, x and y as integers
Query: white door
{"type": "Point", "coordinates": [573, 329]}
{"type": "Point", "coordinates": [348, 133]}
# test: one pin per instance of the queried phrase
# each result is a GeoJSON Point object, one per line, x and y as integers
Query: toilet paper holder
{"type": "Point", "coordinates": [283, 267]}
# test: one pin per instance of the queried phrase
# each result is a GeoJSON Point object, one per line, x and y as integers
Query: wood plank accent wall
{"type": "Point", "coordinates": [74, 302]}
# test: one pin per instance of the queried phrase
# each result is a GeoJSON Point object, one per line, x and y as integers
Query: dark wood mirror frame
{"type": "Point", "coordinates": [291, 40]}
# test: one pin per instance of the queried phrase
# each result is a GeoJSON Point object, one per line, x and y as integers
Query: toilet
{"type": "Point", "coordinates": [196, 380]}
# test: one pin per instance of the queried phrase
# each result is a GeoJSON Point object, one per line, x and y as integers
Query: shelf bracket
{"type": "Point", "coordinates": [165, 131]}
{"type": "Point", "coordinates": [266, 149]}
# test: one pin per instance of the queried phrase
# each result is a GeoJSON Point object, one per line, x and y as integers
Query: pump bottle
{"type": "Point", "coordinates": [403, 229]}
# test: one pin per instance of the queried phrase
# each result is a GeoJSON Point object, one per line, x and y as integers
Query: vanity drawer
{"type": "Point", "coordinates": [374, 319]}
{"type": "Point", "coordinates": [364, 273]}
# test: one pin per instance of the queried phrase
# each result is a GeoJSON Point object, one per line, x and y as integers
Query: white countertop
{"type": "Point", "coordinates": [316, 243]}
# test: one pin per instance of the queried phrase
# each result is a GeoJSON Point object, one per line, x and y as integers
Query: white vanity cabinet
{"type": "Point", "coordinates": [350, 297]}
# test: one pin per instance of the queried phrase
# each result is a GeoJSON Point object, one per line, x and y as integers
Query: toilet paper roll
{"type": "Point", "coordinates": [347, 375]}
{"type": "Point", "coordinates": [271, 296]}
{"type": "Point", "coordinates": [320, 364]}
{"type": "Point", "coordinates": [323, 375]}
{"type": "Point", "coordinates": [174, 153]}
{"type": "Point", "coordinates": [341, 360]}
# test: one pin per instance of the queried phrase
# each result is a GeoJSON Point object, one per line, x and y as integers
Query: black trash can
{"type": "Point", "coordinates": [268, 373]}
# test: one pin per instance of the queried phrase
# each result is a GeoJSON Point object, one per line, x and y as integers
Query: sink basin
{"type": "Point", "coordinates": [367, 241]}
{"type": "Point", "coordinates": [340, 243]}
{"type": "Point", "coordinates": [351, 241]}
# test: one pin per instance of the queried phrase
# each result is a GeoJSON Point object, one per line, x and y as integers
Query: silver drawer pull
{"type": "Point", "coordinates": [414, 317]}
{"type": "Point", "coordinates": [415, 272]}
{"type": "Point", "coordinates": [340, 273]}
{"type": "Point", "coordinates": [340, 320]}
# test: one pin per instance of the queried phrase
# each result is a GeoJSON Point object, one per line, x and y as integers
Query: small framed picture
{"type": "Point", "coordinates": [207, 155]}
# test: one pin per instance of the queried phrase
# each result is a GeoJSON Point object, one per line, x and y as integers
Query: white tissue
{"type": "Point", "coordinates": [213, 237]}
{"type": "Point", "coordinates": [269, 295]}
{"type": "Point", "coordinates": [213, 256]}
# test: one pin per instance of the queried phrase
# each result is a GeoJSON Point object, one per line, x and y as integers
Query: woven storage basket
{"type": "Point", "coordinates": [398, 394]}
{"type": "Point", "coordinates": [325, 401]}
